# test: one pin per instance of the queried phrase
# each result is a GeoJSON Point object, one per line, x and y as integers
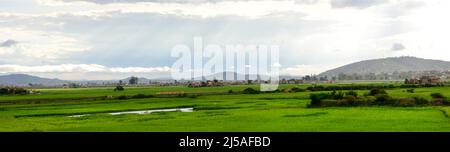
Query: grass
{"type": "Point", "coordinates": [275, 112]}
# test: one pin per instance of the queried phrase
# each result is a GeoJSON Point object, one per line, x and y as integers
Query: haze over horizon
{"type": "Point", "coordinates": [102, 39]}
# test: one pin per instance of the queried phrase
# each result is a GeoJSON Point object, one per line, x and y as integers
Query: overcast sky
{"type": "Point", "coordinates": [111, 39]}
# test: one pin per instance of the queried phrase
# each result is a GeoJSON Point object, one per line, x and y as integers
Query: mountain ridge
{"type": "Point", "coordinates": [390, 65]}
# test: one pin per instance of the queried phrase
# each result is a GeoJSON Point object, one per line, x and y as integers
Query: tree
{"type": "Point", "coordinates": [74, 85]}
{"type": "Point", "coordinates": [133, 80]}
{"type": "Point", "coordinates": [119, 88]}
{"type": "Point", "coordinates": [120, 82]}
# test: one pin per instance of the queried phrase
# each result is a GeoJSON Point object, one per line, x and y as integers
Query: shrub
{"type": "Point", "coordinates": [437, 102]}
{"type": "Point", "coordinates": [122, 97]}
{"type": "Point", "coordinates": [406, 102]}
{"type": "Point", "coordinates": [421, 101]}
{"type": "Point", "coordinates": [295, 89]}
{"type": "Point", "coordinates": [182, 95]}
{"type": "Point", "coordinates": [383, 99]}
{"type": "Point", "coordinates": [437, 95]}
{"type": "Point", "coordinates": [13, 91]}
{"type": "Point", "coordinates": [230, 91]}
{"type": "Point", "coordinates": [366, 101]}
{"type": "Point", "coordinates": [352, 93]}
{"type": "Point", "coordinates": [439, 99]}
{"type": "Point", "coordinates": [328, 103]}
{"type": "Point", "coordinates": [193, 96]}
{"type": "Point", "coordinates": [410, 90]}
{"type": "Point", "coordinates": [337, 95]}
{"type": "Point", "coordinates": [119, 88]}
{"type": "Point", "coordinates": [377, 91]}
{"type": "Point", "coordinates": [316, 98]}
{"type": "Point", "coordinates": [349, 100]}
{"type": "Point", "coordinates": [250, 91]}
{"type": "Point", "coordinates": [139, 96]}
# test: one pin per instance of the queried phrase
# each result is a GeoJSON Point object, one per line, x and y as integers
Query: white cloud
{"type": "Point", "coordinates": [79, 68]}
{"type": "Point", "coordinates": [307, 69]}
{"type": "Point", "coordinates": [129, 36]}
{"type": "Point", "coordinates": [31, 45]}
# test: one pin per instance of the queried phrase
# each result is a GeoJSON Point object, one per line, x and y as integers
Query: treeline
{"type": "Point", "coordinates": [375, 97]}
{"type": "Point", "coordinates": [386, 76]}
{"type": "Point", "coordinates": [13, 91]}
{"type": "Point", "coordinates": [368, 87]}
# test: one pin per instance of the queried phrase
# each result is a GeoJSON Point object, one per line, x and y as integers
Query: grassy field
{"type": "Point", "coordinates": [215, 110]}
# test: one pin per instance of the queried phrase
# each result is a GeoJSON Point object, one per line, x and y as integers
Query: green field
{"type": "Point", "coordinates": [214, 110]}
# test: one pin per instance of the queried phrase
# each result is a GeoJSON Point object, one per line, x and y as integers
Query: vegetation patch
{"type": "Point", "coordinates": [377, 96]}
{"type": "Point", "coordinates": [245, 102]}
{"type": "Point", "coordinates": [214, 113]}
{"type": "Point", "coordinates": [308, 115]}
{"type": "Point", "coordinates": [369, 87]}
{"type": "Point", "coordinates": [14, 91]}
{"type": "Point", "coordinates": [155, 118]}
{"type": "Point", "coordinates": [216, 108]}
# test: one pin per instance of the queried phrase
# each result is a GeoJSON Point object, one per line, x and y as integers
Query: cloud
{"type": "Point", "coordinates": [8, 43]}
{"type": "Point", "coordinates": [78, 68]}
{"type": "Point", "coordinates": [38, 46]}
{"type": "Point", "coordinates": [154, 1]}
{"type": "Point", "coordinates": [397, 47]}
{"type": "Point", "coordinates": [299, 70]}
{"type": "Point", "coordinates": [132, 35]}
{"type": "Point", "coordinates": [179, 1]}
{"type": "Point", "coordinates": [360, 4]}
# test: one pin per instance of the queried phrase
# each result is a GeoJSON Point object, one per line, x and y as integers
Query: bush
{"type": "Point", "coordinates": [337, 95]}
{"type": "Point", "coordinates": [193, 96]}
{"type": "Point", "coordinates": [230, 91]}
{"type": "Point", "coordinates": [377, 91]}
{"type": "Point", "coordinates": [366, 101]}
{"type": "Point", "coordinates": [182, 95]}
{"type": "Point", "coordinates": [122, 97]}
{"type": "Point", "coordinates": [328, 103]}
{"type": "Point", "coordinates": [438, 102]}
{"type": "Point", "coordinates": [349, 100]}
{"type": "Point", "coordinates": [410, 90]}
{"type": "Point", "coordinates": [439, 99]}
{"type": "Point", "coordinates": [250, 91]}
{"type": "Point", "coordinates": [383, 99]}
{"type": "Point", "coordinates": [119, 88]}
{"type": "Point", "coordinates": [13, 91]}
{"type": "Point", "coordinates": [295, 89]}
{"type": "Point", "coordinates": [316, 99]}
{"type": "Point", "coordinates": [437, 95]}
{"type": "Point", "coordinates": [352, 93]}
{"type": "Point", "coordinates": [139, 96]}
{"type": "Point", "coordinates": [406, 102]}
{"type": "Point", "coordinates": [421, 101]}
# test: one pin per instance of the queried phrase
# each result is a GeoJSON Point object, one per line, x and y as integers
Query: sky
{"type": "Point", "coordinates": [113, 39]}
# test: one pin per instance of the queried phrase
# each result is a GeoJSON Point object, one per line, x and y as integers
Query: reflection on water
{"type": "Point", "coordinates": [144, 111]}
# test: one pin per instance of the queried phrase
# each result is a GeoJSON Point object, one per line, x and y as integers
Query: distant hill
{"type": "Point", "coordinates": [390, 65]}
{"type": "Point", "coordinates": [24, 80]}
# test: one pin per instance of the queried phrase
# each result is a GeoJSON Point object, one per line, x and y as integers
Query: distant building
{"type": "Point", "coordinates": [424, 80]}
